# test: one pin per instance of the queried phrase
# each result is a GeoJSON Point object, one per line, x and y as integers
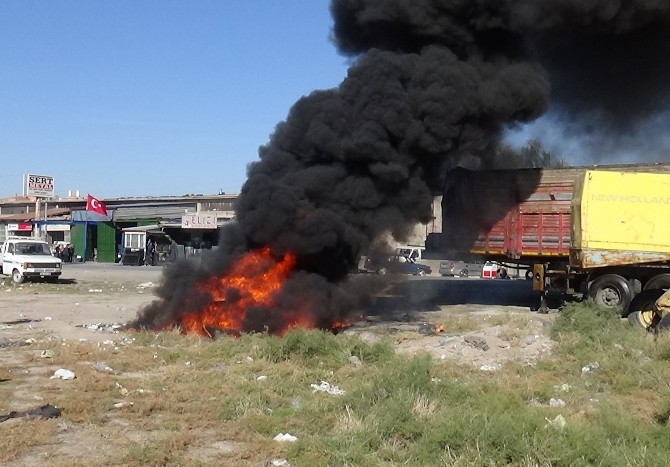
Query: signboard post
{"type": "Point", "coordinates": [40, 186]}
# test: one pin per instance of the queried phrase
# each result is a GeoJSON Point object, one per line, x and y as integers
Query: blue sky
{"type": "Point", "coordinates": [134, 98]}
{"type": "Point", "coordinates": [169, 97]}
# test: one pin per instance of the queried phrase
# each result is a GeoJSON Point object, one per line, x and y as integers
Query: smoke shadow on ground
{"type": "Point", "coordinates": [404, 298]}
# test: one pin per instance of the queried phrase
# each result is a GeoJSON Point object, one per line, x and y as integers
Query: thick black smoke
{"type": "Point", "coordinates": [434, 84]}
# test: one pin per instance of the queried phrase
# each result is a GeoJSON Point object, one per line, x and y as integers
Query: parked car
{"type": "Point", "coordinates": [461, 268]}
{"type": "Point", "coordinates": [399, 264]}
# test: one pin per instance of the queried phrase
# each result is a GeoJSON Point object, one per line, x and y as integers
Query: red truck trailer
{"type": "Point", "coordinates": [522, 218]}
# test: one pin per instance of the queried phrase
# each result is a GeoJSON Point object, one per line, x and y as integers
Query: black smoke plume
{"type": "Point", "coordinates": [433, 84]}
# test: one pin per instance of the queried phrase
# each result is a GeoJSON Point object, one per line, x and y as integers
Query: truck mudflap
{"type": "Point", "coordinates": [538, 278]}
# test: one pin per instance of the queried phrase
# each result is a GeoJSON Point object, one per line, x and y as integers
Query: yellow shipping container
{"type": "Point", "coordinates": [620, 218]}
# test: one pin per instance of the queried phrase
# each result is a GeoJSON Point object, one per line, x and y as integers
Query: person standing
{"type": "Point", "coordinates": [151, 248]}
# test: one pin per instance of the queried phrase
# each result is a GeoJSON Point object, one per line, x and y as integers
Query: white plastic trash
{"type": "Point", "coordinates": [62, 373]}
{"type": "Point", "coordinates": [285, 437]}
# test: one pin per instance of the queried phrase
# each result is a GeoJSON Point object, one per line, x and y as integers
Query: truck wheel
{"type": "Point", "coordinates": [661, 281]}
{"type": "Point", "coordinates": [529, 275]}
{"type": "Point", "coordinates": [382, 271]}
{"type": "Point", "coordinates": [17, 277]}
{"type": "Point", "coordinates": [611, 291]}
{"type": "Point", "coordinates": [640, 312]}
{"type": "Point", "coordinates": [464, 273]}
{"type": "Point", "coordinates": [421, 272]}
{"type": "Point", "coordinates": [501, 273]}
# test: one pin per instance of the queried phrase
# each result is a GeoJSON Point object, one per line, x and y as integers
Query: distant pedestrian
{"type": "Point", "coordinates": [70, 252]}
{"type": "Point", "coordinates": [150, 252]}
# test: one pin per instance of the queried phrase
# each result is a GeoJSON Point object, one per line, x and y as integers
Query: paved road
{"type": "Point", "coordinates": [90, 271]}
{"type": "Point", "coordinates": [443, 294]}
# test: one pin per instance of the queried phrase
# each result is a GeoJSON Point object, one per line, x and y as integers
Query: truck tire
{"type": "Point", "coordinates": [382, 271]}
{"type": "Point", "coordinates": [17, 277]}
{"type": "Point", "coordinates": [661, 281]}
{"type": "Point", "coordinates": [611, 291]}
{"type": "Point", "coordinates": [640, 311]}
{"type": "Point", "coordinates": [464, 273]}
{"type": "Point", "coordinates": [501, 273]}
{"type": "Point", "coordinates": [529, 275]}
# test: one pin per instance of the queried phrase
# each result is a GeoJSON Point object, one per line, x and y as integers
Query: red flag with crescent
{"type": "Point", "coordinates": [95, 205]}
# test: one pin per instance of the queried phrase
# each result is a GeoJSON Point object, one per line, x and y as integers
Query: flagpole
{"type": "Point", "coordinates": [83, 255]}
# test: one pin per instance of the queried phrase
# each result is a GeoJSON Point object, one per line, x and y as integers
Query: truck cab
{"type": "Point", "coordinates": [29, 258]}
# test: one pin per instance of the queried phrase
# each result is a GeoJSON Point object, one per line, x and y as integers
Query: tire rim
{"type": "Point", "coordinates": [609, 297]}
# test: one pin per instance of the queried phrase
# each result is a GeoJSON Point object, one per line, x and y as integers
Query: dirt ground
{"type": "Point", "coordinates": [470, 321]}
{"type": "Point", "coordinates": [473, 322]}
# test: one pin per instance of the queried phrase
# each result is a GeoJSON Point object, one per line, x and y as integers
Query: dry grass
{"type": "Point", "coordinates": [191, 401]}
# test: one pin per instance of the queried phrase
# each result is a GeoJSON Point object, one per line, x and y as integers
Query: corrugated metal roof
{"type": "Point", "coordinates": [29, 216]}
{"type": "Point", "coordinates": [153, 212]}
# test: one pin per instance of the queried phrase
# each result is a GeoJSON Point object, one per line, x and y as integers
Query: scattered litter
{"type": "Point", "coordinates": [556, 402]}
{"type": "Point", "coordinates": [490, 367]}
{"type": "Point", "coordinates": [563, 388]}
{"type": "Point", "coordinates": [95, 290]}
{"type": "Point", "coordinates": [476, 342]}
{"type": "Point", "coordinates": [102, 327]}
{"type": "Point", "coordinates": [530, 339]}
{"type": "Point", "coordinates": [47, 354]}
{"type": "Point", "coordinates": [45, 412]}
{"type": "Point", "coordinates": [62, 373]}
{"type": "Point", "coordinates": [122, 390]}
{"type": "Point", "coordinates": [48, 318]}
{"type": "Point", "coordinates": [285, 437]}
{"type": "Point", "coordinates": [121, 405]}
{"type": "Point", "coordinates": [7, 342]}
{"type": "Point", "coordinates": [261, 378]}
{"type": "Point", "coordinates": [102, 367]}
{"type": "Point", "coordinates": [277, 463]}
{"type": "Point", "coordinates": [188, 363]}
{"type": "Point", "coordinates": [145, 285]}
{"type": "Point", "coordinates": [590, 368]}
{"type": "Point", "coordinates": [325, 386]}
{"type": "Point", "coordinates": [426, 329]}
{"type": "Point", "coordinates": [558, 422]}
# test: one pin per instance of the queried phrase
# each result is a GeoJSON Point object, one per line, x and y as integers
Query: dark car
{"type": "Point", "coordinates": [399, 264]}
{"type": "Point", "coordinates": [461, 268]}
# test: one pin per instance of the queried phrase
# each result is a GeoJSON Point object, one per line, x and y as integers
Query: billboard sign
{"type": "Point", "coordinates": [199, 221]}
{"type": "Point", "coordinates": [38, 185]}
{"type": "Point", "coordinates": [20, 227]}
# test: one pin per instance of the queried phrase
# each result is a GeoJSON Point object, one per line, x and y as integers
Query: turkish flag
{"type": "Point", "coordinates": [95, 205]}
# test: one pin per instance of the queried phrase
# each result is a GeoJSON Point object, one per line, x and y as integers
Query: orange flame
{"type": "Point", "coordinates": [254, 281]}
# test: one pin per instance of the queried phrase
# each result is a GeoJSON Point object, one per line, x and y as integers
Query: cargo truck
{"type": "Point", "coordinates": [598, 232]}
